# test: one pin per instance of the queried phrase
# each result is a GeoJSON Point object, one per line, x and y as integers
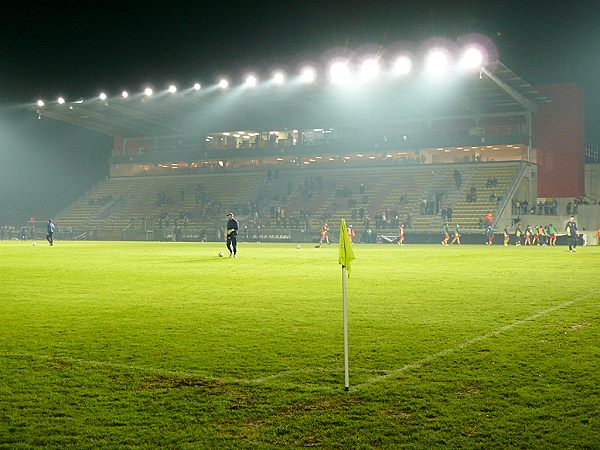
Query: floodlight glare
{"type": "Point", "coordinates": [251, 81]}
{"type": "Point", "coordinates": [403, 65]}
{"type": "Point", "coordinates": [124, 94]}
{"type": "Point", "coordinates": [102, 96]}
{"type": "Point", "coordinates": [172, 89]}
{"type": "Point", "coordinates": [196, 86]}
{"type": "Point", "coordinates": [148, 92]}
{"type": "Point", "coordinates": [223, 84]}
{"type": "Point", "coordinates": [472, 58]}
{"type": "Point", "coordinates": [278, 78]}
{"type": "Point", "coordinates": [308, 75]}
{"type": "Point", "coordinates": [40, 103]}
{"type": "Point", "coordinates": [61, 101]}
{"type": "Point", "coordinates": [339, 72]}
{"type": "Point", "coordinates": [369, 69]}
{"type": "Point", "coordinates": [437, 63]}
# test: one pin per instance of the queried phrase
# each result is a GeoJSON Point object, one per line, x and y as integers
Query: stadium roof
{"type": "Point", "coordinates": [494, 90]}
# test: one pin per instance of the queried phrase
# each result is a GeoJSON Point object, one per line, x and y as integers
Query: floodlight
{"type": "Point", "coordinates": [402, 65]}
{"type": "Point", "coordinates": [278, 78]}
{"type": "Point", "coordinates": [172, 89]}
{"type": "Point", "coordinates": [61, 101]}
{"type": "Point", "coordinates": [251, 81]}
{"type": "Point", "coordinates": [339, 72]}
{"type": "Point", "coordinates": [40, 103]}
{"type": "Point", "coordinates": [472, 58]}
{"type": "Point", "coordinates": [148, 92]}
{"type": "Point", "coordinates": [196, 86]}
{"type": "Point", "coordinates": [369, 69]}
{"type": "Point", "coordinates": [102, 96]}
{"type": "Point", "coordinates": [308, 75]}
{"type": "Point", "coordinates": [223, 84]}
{"type": "Point", "coordinates": [124, 94]}
{"type": "Point", "coordinates": [437, 63]}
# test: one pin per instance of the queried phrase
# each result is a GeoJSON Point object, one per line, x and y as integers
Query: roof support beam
{"type": "Point", "coordinates": [517, 96]}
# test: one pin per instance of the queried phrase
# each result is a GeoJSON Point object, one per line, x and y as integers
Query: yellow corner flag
{"type": "Point", "coordinates": [346, 252]}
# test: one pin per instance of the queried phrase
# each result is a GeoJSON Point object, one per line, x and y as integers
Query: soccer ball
{"type": "Point", "coordinates": [33, 243]}
{"type": "Point", "coordinates": [298, 246]}
{"type": "Point", "coordinates": [220, 254]}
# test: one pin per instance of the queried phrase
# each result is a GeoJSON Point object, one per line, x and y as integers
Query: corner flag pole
{"type": "Point", "coordinates": [346, 256]}
{"type": "Point", "coordinates": [346, 373]}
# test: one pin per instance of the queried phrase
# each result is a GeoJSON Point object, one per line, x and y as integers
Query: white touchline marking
{"type": "Point", "coordinates": [267, 378]}
{"type": "Point", "coordinates": [470, 342]}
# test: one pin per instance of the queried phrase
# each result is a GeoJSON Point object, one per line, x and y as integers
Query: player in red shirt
{"type": "Point", "coordinates": [324, 233]}
{"type": "Point", "coordinates": [401, 235]}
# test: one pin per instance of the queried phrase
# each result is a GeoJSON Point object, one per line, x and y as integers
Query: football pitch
{"type": "Point", "coordinates": [121, 344]}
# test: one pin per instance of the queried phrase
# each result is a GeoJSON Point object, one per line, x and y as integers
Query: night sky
{"type": "Point", "coordinates": [77, 48]}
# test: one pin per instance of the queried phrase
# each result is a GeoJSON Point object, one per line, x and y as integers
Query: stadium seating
{"type": "Point", "coordinates": [300, 198]}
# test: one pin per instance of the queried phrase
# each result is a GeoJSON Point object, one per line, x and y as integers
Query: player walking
{"type": "Point", "coordinates": [489, 233]}
{"type": "Point", "coordinates": [542, 235]}
{"type": "Point", "coordinates": [324, 233]}
{"type": "Point", "coordinates": [456, 238]}
{"type": "Point", "coordinates": [446, 234]}
{"type": "Point", "coordinates": [50, 230]}
{"type": "Point", "coordinates": [232, 229]}
{"type": "Point", "coordinates": [518, 235]}
{"type": "Point", "coordinates": [552, 232]}
{"type": "Point", "coordinates": [571, 229]}
{"type": "Point", "coordinates": [528, 233]}
{"type": "Point", "coordinates": [506, 236]}
{"type": "Point", "coordinates": [401, 234]}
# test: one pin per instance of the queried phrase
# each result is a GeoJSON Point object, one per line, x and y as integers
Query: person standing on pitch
{"type": "Point", "coordinates": [446, 234]}
{"type": "Point", "coordinates": [571, 229]}
{"type": "Point", "coordinates": [324, 233]}
{"type": "Point", "coordinates": [456, 238]}
{"type": "Point", "coordinates": [401, 234]}
{"type": "Point", "coordinates": [232, 229]}
{"type": "Point", "coordinates": [49, 237]}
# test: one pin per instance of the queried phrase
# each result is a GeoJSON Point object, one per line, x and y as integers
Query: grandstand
{"type": "Point", "coordinates": [287, 160]}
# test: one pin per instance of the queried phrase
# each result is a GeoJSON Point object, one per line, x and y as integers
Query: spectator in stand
{"type": "Point", "coordinates": [457, 179]}
{"type": "Point", "coordinates": [449, 212]}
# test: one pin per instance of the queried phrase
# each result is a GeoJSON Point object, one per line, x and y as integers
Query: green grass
{"type": "Point", "coordinates": [165, 344]}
